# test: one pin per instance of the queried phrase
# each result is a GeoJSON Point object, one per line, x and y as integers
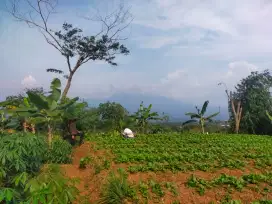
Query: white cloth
{"type": "Point", "coordinates": [128, 132]}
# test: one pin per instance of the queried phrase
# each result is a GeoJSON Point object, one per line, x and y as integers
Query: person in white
{"type": "Point", "coordinates": [128, 133]}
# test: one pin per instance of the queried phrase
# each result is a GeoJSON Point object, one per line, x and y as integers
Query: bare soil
{"type": "Point", "coordinates": [91, 184]}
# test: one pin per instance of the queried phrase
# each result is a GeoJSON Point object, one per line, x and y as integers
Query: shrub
{"type": "Point", "coordinates": [84, 161]}
{"type": "Point", "coordinates": [117, 190]}
{"type": "Point", "coordinates": [21, 155]}
{"type": "Point", "coordinates": [51, 186]}
{"type": "Point", "coordinates": [60, 152]}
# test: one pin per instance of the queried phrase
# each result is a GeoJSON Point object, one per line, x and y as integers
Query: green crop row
{"type": "Point", "coordinates": [181, 152]}
{"type": "Point", "coordinates": [231, 181]}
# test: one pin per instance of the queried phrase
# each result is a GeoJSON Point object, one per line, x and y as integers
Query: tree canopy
{"type": "Point", "coordinates": [254, 94]}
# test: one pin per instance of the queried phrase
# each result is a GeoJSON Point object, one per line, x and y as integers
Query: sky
{"type": "Point", "coordinates": [179, 49]}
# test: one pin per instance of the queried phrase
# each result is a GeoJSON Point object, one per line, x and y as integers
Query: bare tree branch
{"type": "Point", "coordinates": [114, 23]}
{"type": "Point", "coordinates": [42, 13]}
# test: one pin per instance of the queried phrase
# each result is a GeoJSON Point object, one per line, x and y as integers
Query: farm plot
{"type": "Point", "coordinates": [186, 168]}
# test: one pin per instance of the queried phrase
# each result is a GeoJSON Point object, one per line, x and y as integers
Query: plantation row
{"type": "Point", "coordinates": [189, 152]}
{"type": "Point", "coordinates": [232, 182]}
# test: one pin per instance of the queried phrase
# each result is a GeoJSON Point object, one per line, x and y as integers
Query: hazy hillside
{"type": "Point", "coordinates": [174, 108]}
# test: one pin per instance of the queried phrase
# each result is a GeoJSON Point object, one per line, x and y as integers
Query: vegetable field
{"type": "Point", "coordinates": [189, 152]}
{"type": "Point", "coordinates": [186, 168]}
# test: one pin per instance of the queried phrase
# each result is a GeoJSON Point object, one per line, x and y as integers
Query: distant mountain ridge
{"type": "Point", "coordinates": [174, 108]}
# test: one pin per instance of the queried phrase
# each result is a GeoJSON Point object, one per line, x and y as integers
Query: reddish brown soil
{"type": "Point", "coordinates": [91, 184]}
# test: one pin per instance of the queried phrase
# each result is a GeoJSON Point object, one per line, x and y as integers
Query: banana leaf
{"type": "Point", "coordinates": [39, 101]}
{"type": "Point", "coordinates": [204, 107]}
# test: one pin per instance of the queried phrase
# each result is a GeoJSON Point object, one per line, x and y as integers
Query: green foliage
{"type": "Point", "coordinates": [117, 190]}
{"type": "Point", "coordinates": [60, 152]}
{"type": "Point", "coordinates": [47, 109]}
{"type": "Point", "coordinates": [112, 114]}
{"type": "Point", "coordinates": [254, 94]}
{"type": "Point", "coordinates": [200, 184]}
{"type": "Point", "coordinates": [199, 116]}
{"type": "Point", "coordinates": [21, 153]}
{"type": "Point", "coordinates": [144, 115]}
{"type": "Point", "coordinates": [262, 202]}
{"type": "Point", "coordinates": [231, 181]}
{"type": "Point", "coordinates": [187, 152]}
{"type": "Point", "coordinates": [84, 161]}
{"type": "Point", "coordinates": [51, 186]}
{"type": "Point", "coordinates": [172, 188]}
{"type": "Point", "coordinates": [156, 188]}
{"type": "Point", "coordinates": [88, 47]}
{"type": "Point", "coordinates": [143, 188]}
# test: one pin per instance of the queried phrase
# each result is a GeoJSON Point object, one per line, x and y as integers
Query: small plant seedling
{"type": "Point", "coordinates": [84, 161]}
{"type": "Point", "coordinates": [172, 188]}
{"type": "Point", "coordinates": [143, 188]}
{"type": "Point", "coordinates": [156, 188]}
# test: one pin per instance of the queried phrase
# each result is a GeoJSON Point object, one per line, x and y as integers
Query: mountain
{"type": "Point", "coordinates": [174, 108]}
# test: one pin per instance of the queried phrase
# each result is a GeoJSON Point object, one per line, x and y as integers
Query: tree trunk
{"type": "Point", "coordinates": [202, 126]}
{"type": "Point", "coordinates": [67, 87]}
{"type": "Point", "coordinates": [70, 77]}
{"type": "Point", "coordinates": [237, 112]}
{"type": "Point", "coordinates": [24, 126]}
{"type": "Point", "coordinates": [49, 137]}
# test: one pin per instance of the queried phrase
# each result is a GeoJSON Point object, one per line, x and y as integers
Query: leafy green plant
{"type": "Point", "coordinates": [47, 109]}
{"type": "Point", "coordinates": [198, 183]}
{"type": "Point", "coordinates": [51, 186]}
{"type": "Point", "coordinates": [60, 152]}
{"type": "Point", "coordinates": [199, 116]}
{"type": "Point", "coordinates": [156, 188]}
{"type": "Point", "coordinates": [230, 180]}
{"type": "Point", "coordinates": [84, 161]}
{"type": "Point", "coordinates": [262, 202]}
{"type": "Point", "coordinates": [143, 188]}
{"type": "Point", "coordinates": [117, 190]}
{"type": "Point", "coordinates": [171, 187]}
{"type": "Point", "coordinates": [21, 155]}
{"type": "Point", "coordinates": [144, 115]}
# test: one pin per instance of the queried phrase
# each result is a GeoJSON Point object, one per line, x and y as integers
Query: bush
{"type": "Point", "coordinates": [60, 153]}
{"type": "Point", "coordinates": [21, 155]}
{"type": "Point", "coordinates": [51, 186]}
{"type": "Point", "coordinates": [117, 190]}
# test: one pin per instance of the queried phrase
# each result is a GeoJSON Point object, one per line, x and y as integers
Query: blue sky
{"type": "Point", "coordinates": [179, 49]}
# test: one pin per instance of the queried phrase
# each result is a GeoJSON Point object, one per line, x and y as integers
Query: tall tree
{"type": "Point", "coordinates": [112, 114]}
{"type": "Point", "coordinates": [254, 94]}
{"type": "Point", "coordinates": [235, 107]}
{"type": "Point", "coordinates": [71, 42]}
{"type": "Point", "coordinates": [199, 116]}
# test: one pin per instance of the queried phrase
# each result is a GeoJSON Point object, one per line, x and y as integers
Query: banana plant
{"type": "Point", "coordinates": [144, 115]}
{"type": "Point", "coordinates": [47, 109]}
{"type": "Point", "coordinates": [199, 116]}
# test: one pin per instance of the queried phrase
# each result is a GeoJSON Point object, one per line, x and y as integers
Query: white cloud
{"type": "Point", "coordinates": [184, 84]}
{"type": "Point", "coordinates": [242, 26]}
{"type": "Point", "coordinates": [29, 81]}
{"type": "Point", "coordinates": [156, 41]}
